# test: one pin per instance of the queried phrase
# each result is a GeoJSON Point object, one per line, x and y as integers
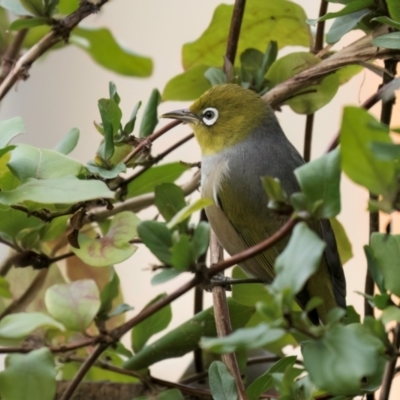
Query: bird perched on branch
{"type": "Point", "coordinates": [241, 141]}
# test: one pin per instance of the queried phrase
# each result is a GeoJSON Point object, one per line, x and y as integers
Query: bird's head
{"type": "Point", "coordinates": [223, 116]}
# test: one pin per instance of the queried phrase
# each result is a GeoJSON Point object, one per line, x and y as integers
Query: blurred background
{"type": "Point", "coordinates": [64, 87]}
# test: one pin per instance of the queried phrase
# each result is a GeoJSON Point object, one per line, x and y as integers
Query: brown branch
{"type": "Point", "coordinates": [308, 137]}
{"type": "Point", "coordinates": [12, 53]}
{"type": "Point", "coordinates": [149, 140]}
{"type": "Point", "coordinates": [137, 203]}
{"type": "Point", "coordinates": [390, 368]}
{"type": "Point", "coordinates": [157, 159]}
{"type": "Point", "coordinates": [234, 32]}
{"type": "Point", "coordinates": [222, 317]}
{"type": "Point", "coordinates": [64, 348]}
{"type": "Point", "coordinates": [197, 279]}
{"type": "Point", "coordinates": [319, 36]}
{"type": "Point", "coordinates": [122, 371]}
{"type": "Point", "coordinates": [59, 33]}
{"type": "Point", "coordinates": [82, 371]}
{"type": "Point", "coordinates": [359, 51]}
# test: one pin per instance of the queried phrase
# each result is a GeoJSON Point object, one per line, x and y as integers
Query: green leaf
{"type": "Point", "coordinates": [9, 129]}
{"type": "Point", "coordinates": [394, 9]}
{"type": "Point", "coordinates": [352, 7]}
{"type": "Point", "coordinates": [112, 89]}
{"type": "Point", "coordinates": [222, 383]}
{"type": "Point", "coordinates": [54, 229]}
{"type": "Point", "coordinates": [154, 176]}
{"type": "Point", "coordinates": [243, 339]}
{"type": "Point", "coordinates": [386, 151]}
{"type": "Point", "coordinates": [15, 7]}
{"type": "Point", "coordinates": [320, 180]}
{"type": "Point", "coordinates": [387, 21]}
{"type": "Point", "coordinates": [389, 41]}
{"type": "Point", "coordinates": [169, 199]}
{"type": "Point", "coordinates": [317, 96]}
{"type": "Point", "coordinates": [265, 382]}
{"type": "Point", "coordinates": [111, 116]}
{"type": "Point", "coordinates": [67, 6]}
{"type": "Point", "coordinates": [107, 173]}
{"type": "Point", "coordinates": [187, 211]}
{"type": "Point", "coordinates": [68, 142]}
{"type": "Point", "coordinates": [36, 7]}
{"type": "Point", "coordinates": [201, 239]}
{"type": "Point", "coordinates": [182, 256]}
{"type": "Point", "coordinates": [172, 345]}
{"type": "Point", "coordinates": [109, 293]}
{"type": "Point", "coordinates": [389, 314]}
{"type": "Point", "coordinates": [344, 24]}
{"type": "Point", "coordinates": [171, 394]}
{"type": "Point", "coordinates": [150, 120]}
{"type": "Point", "coordinates": [164, 276]}
{"type": "Point", "coordinates": [74, 304]}
{"type": "Point", "coordinates": [215, 76]}
{"type": "Point", "coordinates": [273, 188]}
{"type": "Point", "coordinates": [20, 325]}
{"type": "Point", "coordinates": [130, 125]}
{"type": "Point", "coordinates": [4, 288]}
{"type": "Point", "coordinates": [344, 360]}
{"type": "Point", "coordinates": [299, 260]}
{"type": "Point", "coordinates": [12, 222]}
{"type": "Point", "coordinates": [288, 17]}
{"type": "Point", "coordinates": [31, 162]}
{"type": "Point", "coordinates": [29, 376]}
{"type": "Point", "coordinates": [189, 85]}
{"type": "Point", "coordinates": [19, 24]}
{"type": "Point", "coordinates": [386, 253]}
{"type": "Point", "coordinates": [373, 269]}
{"type": "Point", "coordinates": [114, 247]}
{"type": "Point", "coordinates": [157, 237]}
{"type": "Point", "coordinates": [155, 323]}
{"type": "Point", "coordinates": [58, 190]}
{"type": "Point", "coordinates": [358, 130]}
{"type": "Point", "coordinates": [343, 243]}
{"type": "Point", "coordinates": [103, 48]}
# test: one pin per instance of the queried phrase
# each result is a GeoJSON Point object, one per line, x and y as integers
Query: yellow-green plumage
{"type": "Point", "coordinates": [241, 141]}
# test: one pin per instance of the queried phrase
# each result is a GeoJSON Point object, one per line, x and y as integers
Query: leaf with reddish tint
{"type": "Point", "coordinates": [74, 304]}
{"type": "Point", "coordinates": [112, 248]}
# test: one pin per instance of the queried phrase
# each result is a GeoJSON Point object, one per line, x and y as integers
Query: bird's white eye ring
{"type": "Point", "coordinates": [210, 116]}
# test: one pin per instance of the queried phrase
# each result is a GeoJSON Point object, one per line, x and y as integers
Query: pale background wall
{"type": "Point", "coordinates": [63, 90]}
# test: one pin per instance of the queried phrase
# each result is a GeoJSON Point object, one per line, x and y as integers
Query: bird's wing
{"type": "Point", "coordinates": [266, 223]}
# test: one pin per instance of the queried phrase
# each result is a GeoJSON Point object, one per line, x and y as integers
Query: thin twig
{"type": "Point", "coordinates": [149, 140]}
{"type": "Point", "coordinates": [318, 45]}
{"type": "Point", "coordinates": [12, 53]}
{"type": "Point", "coordinates": [158, 158]}
{"type": "Point", "coordinates": [122, 371]}
{"type": "Point", "coordinates": [222, 317]}
{"type": "Point", "coordinates": [308, 137]}
{"type": "Point", "coordinates": [390, 368]}
{"type": "Point", "coordinates": [59, 33]}
{"type": "Point", "coordinates": [234, 32]}
{"type": "Point", "coordinates": [87, 364]}
{"type": "Point", "coordinates": [319, 36]}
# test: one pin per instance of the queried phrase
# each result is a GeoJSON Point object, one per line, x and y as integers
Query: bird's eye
{"type": "Point", "coordinates": [210, 116]}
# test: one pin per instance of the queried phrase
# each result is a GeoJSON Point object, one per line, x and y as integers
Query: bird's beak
{"type": "Point", "coordinates": [185, 115]}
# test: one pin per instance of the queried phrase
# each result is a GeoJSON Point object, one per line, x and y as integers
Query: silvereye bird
{"type": "Point", "coordinates": [241, 141]}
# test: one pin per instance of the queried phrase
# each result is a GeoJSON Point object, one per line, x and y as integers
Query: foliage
{"type": "Point", "coordinates": [53, 207]}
